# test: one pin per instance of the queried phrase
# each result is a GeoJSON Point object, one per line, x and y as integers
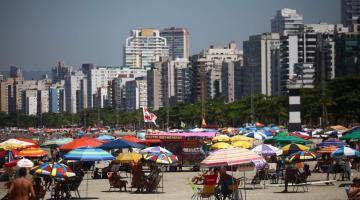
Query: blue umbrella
{"type": "Point", "coordinates": [105, 137]}
{"type": "Point", "coordinates": [345, 152]}
{"type": "Point", "coordinates": [332, 142]}
{"type": "Point", "coordinates": [120, 144]}
{"type": "Point", "coordinates": [88, 154]}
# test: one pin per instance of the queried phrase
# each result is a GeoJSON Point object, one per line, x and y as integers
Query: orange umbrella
{"type": "Point", "coordinates": [328, 149]}
{"type": "Point", "coordinates": [32, 152]}
{"type": "Point", "coordinates": [81, 142]}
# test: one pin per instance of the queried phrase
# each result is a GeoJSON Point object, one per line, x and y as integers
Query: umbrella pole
{"type": "Point", "coordinates": [232, 174]}
{"type": "Point", "coordinates": [244, 186]}
{"type": "Point", "coordinates": [162, 180]}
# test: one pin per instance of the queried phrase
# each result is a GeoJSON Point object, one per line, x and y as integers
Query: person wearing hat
{"type": "Point", "coordinates": [354, 190]}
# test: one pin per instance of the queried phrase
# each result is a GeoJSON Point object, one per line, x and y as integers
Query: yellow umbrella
{"type": "Point", "coordinates": [11, 146]}
{"type": "Point", "coordinates": [242, 144]}
{"type": "Point", "coordinates": [241, 138]}
{"type": "Point", "coordinates": [220, 145]}
{"type": "Point", "coordinates": [293, 148]}
{"type": "Point", "coordinates": [128, 157]}
{"type": "Point", "coordinates": [221, 138]}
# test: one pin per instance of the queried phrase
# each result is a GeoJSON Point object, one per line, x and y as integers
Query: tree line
{"type": "Point", "coordinates": [338, 103]}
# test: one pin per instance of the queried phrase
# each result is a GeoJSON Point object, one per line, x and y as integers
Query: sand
{"type": "Point", "coordinates": [175, 187]}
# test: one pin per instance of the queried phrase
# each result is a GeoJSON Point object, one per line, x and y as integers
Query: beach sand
{"type": "Point", "coordinates": [175, 187]}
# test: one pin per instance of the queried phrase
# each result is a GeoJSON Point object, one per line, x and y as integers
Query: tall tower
{"type": "Point", "coordinates": [350, 12]}
{"type": "Point", "coordinates": [287, 22]}
{"type": "Point", "coordinates": [178, 42]}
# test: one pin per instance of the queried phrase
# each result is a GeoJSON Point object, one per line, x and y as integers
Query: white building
{"type": "Point", "coordinates": [43, 101]}
{"type": "Point", "coordinates": [287, 22]}
{"type": "Point", "coordinates": [144, 47]}
{"type": "Point", "coordinates": [100, 76]}
{"type": "Point", "coordinates": [31, 102]}
{"type": "Point", "coordinates": [74, 93]}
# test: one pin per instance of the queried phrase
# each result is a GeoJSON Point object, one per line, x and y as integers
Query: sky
{"type": "Point", "coordinates": [35, 34]}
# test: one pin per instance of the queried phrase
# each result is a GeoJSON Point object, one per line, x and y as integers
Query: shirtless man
{"type": "Point", "coordinates": [21, 188]}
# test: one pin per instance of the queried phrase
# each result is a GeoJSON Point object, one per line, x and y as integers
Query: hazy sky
{"type": "Point", "coordinates": [35, 34]}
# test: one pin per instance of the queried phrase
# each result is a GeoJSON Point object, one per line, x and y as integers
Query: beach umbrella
{"type": "Point", "coordinates": [128, 157]}
{"type": "Point", "coordinates": [131, 138]}
{"type": "Point", "coordinates": [161, 158]}
{"type": "Point", "coordinates": [106, 137]}
{"type": "Point", "coordinates": [332, 142]}
{"type": "Point", "coordinates": [345, 152]}
{"type": "Point", "coordinates": [25, 163]}
{"type": "Point", "coordinates": [88, 154]}
{"type": "Point", "coordinates": [293, 148]}
{"type": "Point", "coordinates": [257, 135]}
{"type": "Point", "coordinates": [329, 149]}
{"type": "Point", "coordinates": [56, 142]}
{"type": "Point", "coordinates": [56, 170]}
{"type": "Point", "coordinates": [301, 156]}
{"type": "Point", "coordinates": [286, 140]}
{"type": "Point", "coordinates": [156, 149]}
{"type": "Point", "coordinates": [9, 154]}
{"type": "Point", "coordinates": [34, 142]}
{"type": "Point", "coordinates": [81, 142]}
{"type": "Point", "coordinates": [267, 150]}
{"type": "Point", "coordinates": [241, 138]}
{"type": "Point", "coordinates": [14, 144]}
{"type": "Point", "coordinates": [120, 144]}
{"type": "Point", "coordinates": [302, 136]}
{"type": "Point", "coordinates": [351, 136]}
{"type": "Point", "coordinates": [32, 152]}
{"type": "Point", "coordinates": [10, 164]}
{"type": "Point", "coordinates": [230, 157]}
{"type": "Point", "coordinates": [221, 145]}
{"type": "Point", "coordinates": [221, 138]}
{"type": "Point", "coordinates": [242, 144]}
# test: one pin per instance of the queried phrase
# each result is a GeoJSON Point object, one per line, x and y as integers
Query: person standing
{"type": "Point", "coordinates": [21, 188]}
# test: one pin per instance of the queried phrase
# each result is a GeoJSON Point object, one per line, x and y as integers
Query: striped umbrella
{"type": "Point", "coordinates": [293, 148]}
{"type": "Point", "coordinates": [256, 135]}
{"type": "Point", "coordinates": [55, 170]}
{"type": "Point", "coordinates": [345, 152]}
{"type": "Point", "coordinates": [328, 149]}
{"type": "Point", "coordinates": [332, 142]}
{"type": "Point", "coordinates": [88, 154]}
{"type": "Point", "coordinates": [32, 152]}
{"type": "Point", "coordinates": [301, 156]}
{"type": "Point", "coordinates": [156, 149]}
{"type": "Point", "coordinates": [230, 157]}
{"type": "Point", "coordinates": [161, 158]}
{"type": "Point", "coordinates": [267, 150]}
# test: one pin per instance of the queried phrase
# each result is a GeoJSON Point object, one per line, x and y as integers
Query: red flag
{"type": "Point", "coordinates": [148, 116]}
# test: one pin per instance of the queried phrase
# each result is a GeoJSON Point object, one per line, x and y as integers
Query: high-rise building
{"type": "Point", "coordinates": [60, 71]}
{"type": "Point", "coordinates": [144, 47]}
{"type": "Point", "coordinates": [30, 102]}
{"type": "Point", "coordinates": [43, 101]}
{"type": "Point", "coordinates": [258, 63]}
{"type": "Point", "coordinates": [1, 77]}
{"type": "Point", "coordinates": [136, 94]}
{"type": "Point", "coordinates": [207, 68]}
{"type": "Point", "coordinates": [75, 92]}
{"type": "Point", "coordinates": [231, 81]}
{"type": "Point", "coordinates": [287, 22]}
{"type": "Point", "coordinates": [168, 83]}
{"type": "Point", "coordinates": [347, 54]}
{"type": "Point", "coordinates": [350, 12]}
{"type": "Point", "coordinates": [56, 100]}
{"type": "Point", "coordinates": [178, 42]}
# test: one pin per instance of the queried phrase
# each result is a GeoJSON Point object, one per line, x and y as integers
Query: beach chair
{"type": "Point", "coordinates": [73, 187]}
{"type": "Point", "coordinates": [196, 190]}
{"type": "Point", "coordinates": [153, 184]}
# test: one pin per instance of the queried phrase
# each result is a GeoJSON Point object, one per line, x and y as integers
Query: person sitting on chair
{"type": "Point", "coordinates": [96, 174]}
{"type": "Point", "coordinates": [225, 182]}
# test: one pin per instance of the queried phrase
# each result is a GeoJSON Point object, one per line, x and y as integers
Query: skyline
{"type": "Point", "coordinates": [35, 35]}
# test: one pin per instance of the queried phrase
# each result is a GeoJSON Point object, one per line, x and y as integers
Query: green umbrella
{"type": "Point", "coordinates": [283, 140]}
{"type": "Point", "coordinates": [283, 133]}
{"type": "Point", "coordinates": [351, 136]}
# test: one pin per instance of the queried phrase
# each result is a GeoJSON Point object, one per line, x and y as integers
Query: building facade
{"type": "Point", "coordinates": [287, 22]}
{"type": "Point", "coordinates": [144, 47]}
{"type": "Point", "coordinates": [178, 42]}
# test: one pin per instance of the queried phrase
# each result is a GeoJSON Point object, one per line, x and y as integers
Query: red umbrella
{"type": "Point", "coordinates": [15, 153]}
{"type": "Point", "coordinates": [11, 164]}
{"type": "Point", "coordinates": [81, 142]}
{"type": "Point", "coordinates": [131, 138]}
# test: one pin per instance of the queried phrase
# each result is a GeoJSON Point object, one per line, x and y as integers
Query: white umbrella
{"type": "Point", "coordinates": [25, 163]}
{"type": "Point", "coordinates": [16, 142]}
